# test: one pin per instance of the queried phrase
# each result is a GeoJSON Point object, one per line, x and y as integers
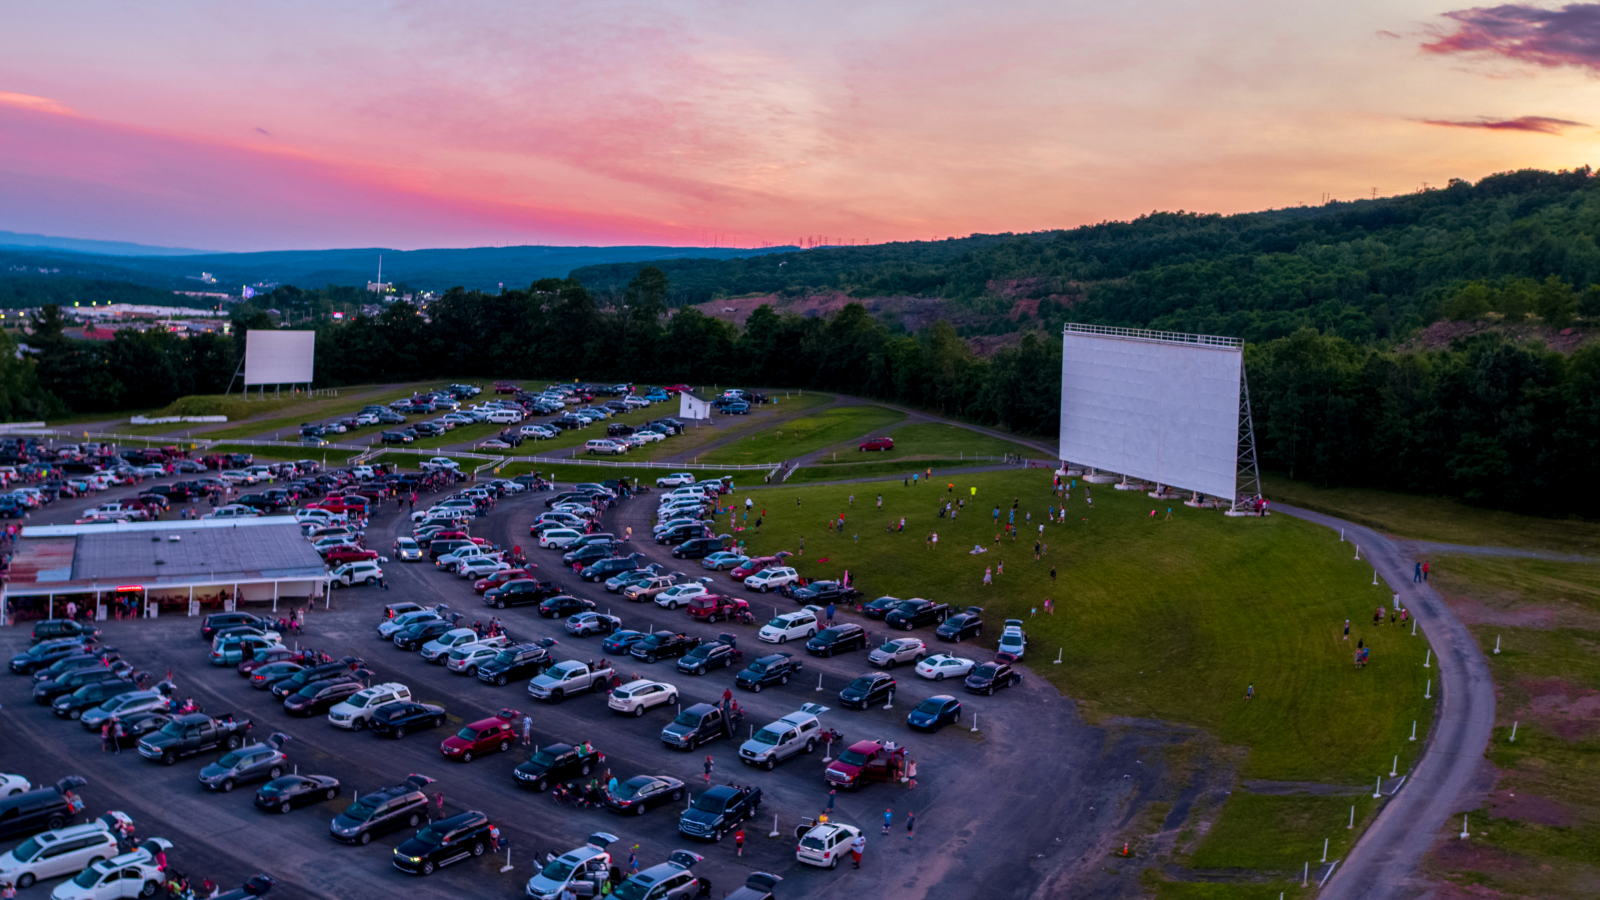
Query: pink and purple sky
{"type": "Point", "coordinates": [294, 124]}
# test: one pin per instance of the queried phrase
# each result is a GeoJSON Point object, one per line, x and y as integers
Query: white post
{"type": "Point", "coordinates": [1324, 849]}
{"type": "Point", "coordinates": [1427, 663]}
{"type": "Point", "coordinates": [819, 682]}
{"type": "Point", "coordinates": [1497, 645]}
{"type": "Point", "coordinates": [1427, 692]}
{"type": "Point", "coordinates": [974, 723]}
{"type": "Point", "coordinates": [774, 827]}
{"type": "Point", "coordinates": [1341, 535]}
{"type": "Point", "coordinates": [1305, 877]}
{"type": "Point", "coordinates": [1377, 791]}
{"type": "Point", "coordinates": [890, 704]}
{"type": "Point", "coordinates": [1395, 768]}
{"type": "Point", "coordinates": [1413, 627]}
{"type": "Point", "coordinates": [1513, 731]}
{"type": "Point", "coordinates": [1464, 833]}
{"type": "Point", "coordinates": [1413, 729]}
{"type": "Point", "coordinates": [1058, 657]}
{"type": "Point", "coordinates": [1358, 551]}
{"type": "Point", "coordinates": [1352, 824]}
{"type": "Point", "coordinates": [507, 866]}
{"type": "Point", "coordinates": [1374, 577]}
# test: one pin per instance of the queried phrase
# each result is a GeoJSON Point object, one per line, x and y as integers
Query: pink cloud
{"type": "Point", "coordinates": [1536, 124]}
{"type": "Point", "coordinates": [58, 169]}
{"type": "Point", "coordinates": [1568, 36]}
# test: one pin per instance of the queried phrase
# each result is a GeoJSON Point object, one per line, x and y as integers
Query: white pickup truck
{"type": "Point", "coordinates": [570, 677]}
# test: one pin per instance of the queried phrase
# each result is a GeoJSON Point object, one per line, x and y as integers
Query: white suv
{"type": "Point", "coordinates": [637, 696]}
{"type": "Point", "coordinates": [680, 595]}
{"type": "Point", "coordinates": [364, 572]}
{"type": "Point", "coordinates": [771, 579]}
{"type": "Point", "coordinates": [355, 711]}
{"type": "Point", "coordinates": [802, 624]}
{"type": "Point", "coordinates": [675, 479]}
{"type": "Point", "coordinates": [1013, 640]}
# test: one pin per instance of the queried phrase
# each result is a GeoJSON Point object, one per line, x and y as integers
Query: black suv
{"type": "Point", "coordinates": [564, 605]}
{"type": "Point", "coordinates": [321, 696]}
{"type": "Point", "coordinates": [446, 841]}
{"type": "Point", "coordinates": [962, 625]}
{"type": "Point", "coordinates": [666, 644]}
{"type": "Point", "coordinates": [45, 692]}
{"type": "Point", "coordinates": [75, 704]}
{"type": "Point", "coordinates": [413, 636]}
{"type": "Point", "coordinates": [554, 764]}
{"type": "Point", "coordinates": [867, 689]}
{"type": "Point", "coordinates": [589, 553]}
{"type": "Point", "coordinates": [517, 661]}
{"type": "Point", "coordinates": [696, 548]}
{"type": "Point", "coordinates": [46, 653]}
{"type": "Point", "coordinates": [839, 638]}
{"type": "Point", "coordinates": [610, 566]}
{"type": "Point", "coordinates": [218, 622]}
{"type": "Point", "coordinates": [52, 629]}
{"type": "Point", "coordinates": [523, 590]}
{"type": "Point", "coordinates": [382, 811]}
{"type": "Point", "coordinates": [773, 669]}
{"type": "Point", "coordinates": [395, 719]}
{"type": "Point", "coordinates": [913, 613]}
{"type": "Point", "coordinates": [38, 810]}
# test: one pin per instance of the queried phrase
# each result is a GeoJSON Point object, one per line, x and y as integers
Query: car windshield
{"type": "Point", "coordinates": [779, 622]}
{"type": "Point", "coordinates": [852, 758]}
{"type": "Point", "coordinates": [687, 719]}
{"type": "Point", "coordinates": [229, 761]}
{"type": "Point", "coordinates": [361, 810]}
{"type": "Point", "coordinates": [635, 888]}
{"type": "Point", "coordinates": [88, 878]}
{"type": "Point", "coordinates": [506, 656]}
{"type": "Point", "coordinates": [931, 706]}
{"type": "Point", "coordinates": [984, 671]}
{"type": "Point", "coordinates": [811, 843]}
{"type": "Point", "coordinates": [708, 803]}
{"type": "Point", "coordinates": [631, 788]}
{"type": "Point", "coordinates": [864, 683]}
{"type": "Point", "coordinates": [766, 736]}
{"type": "Point", "coordinates": [358, 701]}
{"type": "Point", "coordinates": [543, 758]}
{"type": "Point", "coordinates": [467, 734]}
{"type": "Point", "coordinates": [432, 834]}
{"type": "Point", "coordinates": [558, 869]}
{"type": "Point", "coordinates": [310, 690]}
{"type": "Point", "coordinates": [26, 850]}
{"type": "Point", "coordinates": [758, 667]}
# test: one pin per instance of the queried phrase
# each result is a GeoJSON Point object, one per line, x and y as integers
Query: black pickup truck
{"type": "Point", "coordinates": [191, 734]}
{"type": "Point", "coordinates": [719, 810]}
{"type": "Point", "coordinates": [914, 613]}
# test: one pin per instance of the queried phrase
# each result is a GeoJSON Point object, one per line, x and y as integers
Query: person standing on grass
{"type": "Point", "coordinates": [1347, 629]}
{"type": "Point", "coordinates": [852, 501]}
{"type": "Point", "coordinates": [802, 546]}
{"type": "Point", "coordinates": [1250, 692]}
{"type": "Point", "coordinates": [988, 576]}
{"type": "Point", "coordinates": [880, 501]}
{"type": "Point", "coordinates": [935, 540]}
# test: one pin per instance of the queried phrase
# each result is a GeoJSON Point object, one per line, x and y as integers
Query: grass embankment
{"type": "Point", "coordinates": [1439, 519]}
{"type": "Point", "coordinates": [935, 440]}
{"type": "Point", "coordinates": [332, 456]}
{"type": "Point", "coordinates": [350, 400]}
{"type": "Point", "coordinates": [1539, 833]}
{"type": "Point", "coordinates": [1161, 619]}
{"type": "Point", "coordinates": [697, 436]}
{"type": "Point", "coordinates": [901, 470]}
{"type": "Point", "coordinates": [808, 434]}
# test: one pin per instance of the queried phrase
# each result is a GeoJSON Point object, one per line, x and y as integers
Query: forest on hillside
{"type": "Point", "coordinates": [1487, 419]}
{"type": "Point", "coordinates": [1367, 270]}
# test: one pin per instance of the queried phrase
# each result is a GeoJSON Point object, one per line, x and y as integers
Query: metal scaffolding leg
{"type": "Point", "coordinates": [1247, 478]}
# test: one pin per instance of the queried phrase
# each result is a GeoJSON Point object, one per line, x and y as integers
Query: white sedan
{"type": "Point", "coordinates": [942, 666]}
{"type": "Point", "coordinates": [637, 696]}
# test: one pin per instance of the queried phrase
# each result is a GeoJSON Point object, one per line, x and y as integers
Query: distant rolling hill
{"type": "Point", "coordinates": [481, 268]}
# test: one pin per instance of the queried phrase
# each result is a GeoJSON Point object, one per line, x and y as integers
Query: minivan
{"type": "Point", "coordinates": [38, 810]}
{"type": "Point", "coordinates": [63, 851]}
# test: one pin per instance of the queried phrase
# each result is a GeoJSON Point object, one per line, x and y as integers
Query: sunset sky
{"type": "Point", "coordinates": [296, 124]}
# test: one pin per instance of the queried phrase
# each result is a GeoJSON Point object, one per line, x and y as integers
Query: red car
{"type": "Point", "coordinates": [348, 553]}
{"type": "Point", "coordinates": [352, 504]}
{"type": "Point", "coordinates": [677, 388]}
{"type": "Point", "coordinates": [483, 736]}
{"type": "Point", "coordinates": [753, 566]}
{"type": "Point", "coordinates": [865, 761]}
{"type": "Point", "coordinates": [716, 607]}
{"type": "Point", "coordinates": [499, 578]}
{"type": "Point", "coordinates": [883, 443]}
{"type": "Point", "coordinates": [505, 387]}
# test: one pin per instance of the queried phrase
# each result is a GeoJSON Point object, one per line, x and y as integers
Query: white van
{"type": "Point", "coordinates": [505, 416]}
{"type": "Point", "coordinates": [603, 445]}
{"type": "Point", "coordinates": [64, 851]}
{"type": "Point", "coordinates": [356, 710]}
{"type": "Point", "coordinates": [232, 511]}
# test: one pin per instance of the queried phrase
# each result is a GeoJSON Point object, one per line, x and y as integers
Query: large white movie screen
{"type": "Point", "coordinates": [1156, 406]}
{"type": "Point", "coordinates": [278, 357]}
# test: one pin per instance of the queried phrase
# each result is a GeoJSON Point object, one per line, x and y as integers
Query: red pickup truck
{"type": "Point", "coordinates": [349, 504]}
{"type": "Point", "coordinates": [866, 761]}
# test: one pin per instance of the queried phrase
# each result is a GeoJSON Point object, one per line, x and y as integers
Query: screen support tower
{"type": "Point", "coordinates": [1247, 483]}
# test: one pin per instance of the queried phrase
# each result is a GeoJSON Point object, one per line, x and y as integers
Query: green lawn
{"type": "Point", "coordinates": [350, 400]}
{"type": "Point", "coordinates": [1546, 842]}
{"type": "Point", "coordinates": [1438, 518]}
{"type": "Point", "coordinates": [1280, 833]}
{"type": "Point", "coordinates": [1161, 619]}
{"type": "Point", "coordinates": [797, 437]}
{"type": "Point", "coordinates": [695, 437]}
{"type": "Point", "coordinates": [934, 440]}
{"type": "Point", "coordinates": [885, 469]}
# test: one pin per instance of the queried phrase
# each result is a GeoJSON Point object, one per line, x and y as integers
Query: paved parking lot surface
{"type": "Point", "coordinates": [1001, 812]}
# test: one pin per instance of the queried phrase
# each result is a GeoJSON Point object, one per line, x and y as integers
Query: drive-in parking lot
{"type": "Point", "coordinates": [999, 811]}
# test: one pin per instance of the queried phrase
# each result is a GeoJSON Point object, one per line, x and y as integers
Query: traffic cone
{"type": "Point", "coordinates": [1125, 851]}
